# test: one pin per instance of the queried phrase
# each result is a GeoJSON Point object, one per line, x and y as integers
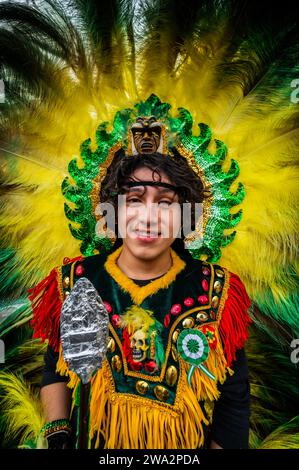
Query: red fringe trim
{"type": "Point", "coordinates": [235, 319]}
{"type": "Point", "coordinates": [46, 306]}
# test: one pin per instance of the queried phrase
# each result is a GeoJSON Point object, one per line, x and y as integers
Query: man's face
{"type": "Point", "coordinates": [149, 217]}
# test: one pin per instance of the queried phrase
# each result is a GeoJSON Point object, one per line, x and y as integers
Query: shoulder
{"type": "Point", "coordinates": [234, 319]}
{"type": "Point", "coordinates": [210, 280]}
{"type": "Point", "coordinates": [81, 265]}
{"type": "Point", "coordinates": [90, 267]}
{"type": "Point", "coordinates": [216, 279]}
{"type": "Point", "coordinates": [47, 296]}
{"type": "Point", "coordinates": [225, 297]}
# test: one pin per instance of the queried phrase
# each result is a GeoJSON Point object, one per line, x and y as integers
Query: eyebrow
{"type": "Point", "coordinates": [166, 190]}
{"type": "Point", "coordinates": [137, 189]}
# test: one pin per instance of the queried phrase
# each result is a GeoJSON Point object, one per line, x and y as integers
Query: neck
{"type": "Point", "coordinates": [136, 268]}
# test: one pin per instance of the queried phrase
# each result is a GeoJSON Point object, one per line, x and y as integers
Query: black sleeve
{"type": "Point", "coordinates": [50, 375]}
{"type": "Point", "coordinates": [230, 428]}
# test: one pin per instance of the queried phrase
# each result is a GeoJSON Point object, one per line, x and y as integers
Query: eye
{"type": "Point", "coordinates": [165, 203]}
{"type": "Point", "coordinates": [133, 200]}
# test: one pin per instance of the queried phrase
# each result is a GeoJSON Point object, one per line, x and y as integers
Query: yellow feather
{"type": "Point", "coordinates": [21, 409]}
{"type": "Point", "coordinates": [136, 318]}
{"type": "Point", "coordinates": [253, 130]}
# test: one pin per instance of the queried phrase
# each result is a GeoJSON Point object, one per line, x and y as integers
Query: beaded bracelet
{"type": "Point", "coordinates": [56, 426]}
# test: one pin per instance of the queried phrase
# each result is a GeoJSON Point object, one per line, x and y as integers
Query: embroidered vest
{"type": "Point", "coordinates": [171, 343]}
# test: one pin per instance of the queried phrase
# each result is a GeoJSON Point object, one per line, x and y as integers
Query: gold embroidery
{"type": "Point", "coordinates": [207, 189]}
{"type": "Point", "coordinates": [162, 406]}
{"type": "Point", "coordinates": [159, 378]}
{"type": "Point", "coordinates": [154, 378]}
{"type": "Point", "coordinates": [59, 283]}
{"type": "Point", "coordinates": [224, 295]}
{"type": "Point", "coordinates": [72, 275]}
{"type": "Point", "coordinates": [97, 181]}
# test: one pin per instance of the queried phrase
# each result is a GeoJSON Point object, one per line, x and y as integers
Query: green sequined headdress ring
{"type": "Point", "coordinates": [82, 190]}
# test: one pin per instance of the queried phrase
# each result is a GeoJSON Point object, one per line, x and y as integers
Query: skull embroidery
{"type": "Point", "coordinates": [139, 346]}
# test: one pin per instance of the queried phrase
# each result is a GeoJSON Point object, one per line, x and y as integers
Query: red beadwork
{"type": "Point", "coordinates": [150, 366]}
{"type": "Point", "coordinates": [176, 309]}
{"type": "Point", "coordinates": [203, 299]}
{"type": "Point", "coordinates": [206, 271]}
{"type": "Point", "coordinates": [108, 307]}
{"type": "Point", "coordinates": [115, 320]}
{"type": "Point", "coordinates": [136, 366]}
{"type": "Point", "coordinates": [79, 270]}
{"type": "Point", "coordinates": [189, 302]}
{"type": "Point", "coordinates": [205, 285]}
{"type": "Point", "coordinates": [167, 320]}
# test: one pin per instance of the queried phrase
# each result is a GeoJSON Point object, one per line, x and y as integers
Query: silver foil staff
{"type": "Point", "coordinates": [84, 335]}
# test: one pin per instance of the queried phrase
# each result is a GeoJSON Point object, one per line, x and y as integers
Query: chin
{"type": "Point", "coordinates": [148, 252]}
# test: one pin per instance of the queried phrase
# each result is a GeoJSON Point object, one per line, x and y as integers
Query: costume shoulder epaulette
{"type": "Point", "coordinates": [233, 315]}
{"type": "Point", "coordinates": [74, 269]}
{"type": "Point", "coordinates": [46, 299]}
{"type": "Point", "coordinates": [224, 303]}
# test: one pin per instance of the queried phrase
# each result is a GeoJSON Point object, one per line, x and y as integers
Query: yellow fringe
{"type": "Point", "coordinates": [62, 369]}
{"type": "Point", "coordinates": [127, 421]}
{"type": "Point", "coordinates": [138, 294]}
{"type": "Point", "coordinates": [132, 422]}
{"type": "Point", "coordinates": [204, 387]}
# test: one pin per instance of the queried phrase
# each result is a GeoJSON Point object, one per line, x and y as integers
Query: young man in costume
{"type": "Point", "coordinates": [175, 375]}
{"type": "Point", "coordinates": [222, 78]}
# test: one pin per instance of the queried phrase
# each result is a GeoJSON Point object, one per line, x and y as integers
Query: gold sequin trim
{"type": "Point", "coordinates": [207, 188]}
{"type": "Point", "coordinates": [97, 181]}
{"type": "Point", "coordinates": [224, 295]}
{"type": "Point", "coordinates": [137, 401]}
{"type": "Point", "coordinates": [72, 274]}
{"type": "Point", "coordinates": [59, 283]}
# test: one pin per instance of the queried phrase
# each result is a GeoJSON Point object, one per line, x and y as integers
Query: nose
{"type": "Point", "coordinates": [149, 216]}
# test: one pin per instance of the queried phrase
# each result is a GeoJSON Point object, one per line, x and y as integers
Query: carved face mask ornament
{"type": "Point", "coordinates": [139, 346]}
{"type": "Point", "coordinates": [146, 136]}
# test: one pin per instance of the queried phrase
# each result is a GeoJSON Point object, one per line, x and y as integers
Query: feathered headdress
{"type": "Point", "coordinates": [83, 73]}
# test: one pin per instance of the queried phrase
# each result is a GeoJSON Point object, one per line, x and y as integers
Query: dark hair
{"type": "Point", "coordinates": [175, 167]}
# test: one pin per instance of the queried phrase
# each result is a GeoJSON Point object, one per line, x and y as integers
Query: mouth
{"type": "Point", "coordinates": [144, 235]}
{"type": "Point", "coordinates": [137, 355]}
{"type": "Point", "coordinates": [147, 146]}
